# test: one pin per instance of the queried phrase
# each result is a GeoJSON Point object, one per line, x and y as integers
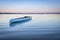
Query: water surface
{"type": "Point", "coordinates": [41, 27]}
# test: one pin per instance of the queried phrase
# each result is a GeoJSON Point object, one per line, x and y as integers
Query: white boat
{"type": "Point", "coordinates": [22, 19]}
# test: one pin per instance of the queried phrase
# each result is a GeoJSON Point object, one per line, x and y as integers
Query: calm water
{"type": "Point", "coordinates": [41, 27]}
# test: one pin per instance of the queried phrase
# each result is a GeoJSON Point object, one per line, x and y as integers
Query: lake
{"type": "Point", "coordinates": [41, 27]}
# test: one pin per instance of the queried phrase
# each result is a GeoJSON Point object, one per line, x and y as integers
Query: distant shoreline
{"type": "Point", "coordinates": [29, 13]}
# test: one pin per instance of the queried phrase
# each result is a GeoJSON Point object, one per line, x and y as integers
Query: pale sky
{"type": "Point", "coordinates": [29, 6]}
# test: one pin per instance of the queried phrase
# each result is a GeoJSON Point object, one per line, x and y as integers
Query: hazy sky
{"type": "Point", "coordinates": [29, 6]}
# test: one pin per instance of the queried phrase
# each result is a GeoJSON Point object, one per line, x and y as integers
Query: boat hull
{"type": "Point", "coordinates": [16, 20]}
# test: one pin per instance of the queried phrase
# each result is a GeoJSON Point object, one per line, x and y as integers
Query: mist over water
{"type": "Point", "coordinates": [41, 27]}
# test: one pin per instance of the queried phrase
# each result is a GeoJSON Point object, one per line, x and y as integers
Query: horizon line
{"type": "Point", "coordinates": [29, 13]}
